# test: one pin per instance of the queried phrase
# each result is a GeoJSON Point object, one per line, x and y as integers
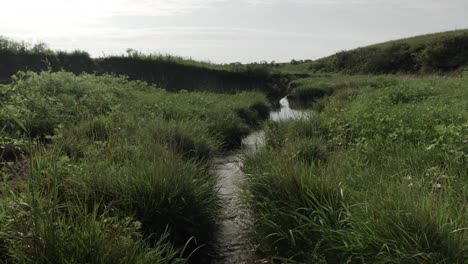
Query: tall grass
{"type": "Point", "coordinates": [106, 170]}
{"type": "Point", "coordinates": [307, 92]}
{"type": "Point", "coordinates": [379, 176]}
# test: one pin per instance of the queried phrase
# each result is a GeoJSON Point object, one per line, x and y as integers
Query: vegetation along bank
{"type": "Point", "coordinates": [377, 176]}
{"type": "Point", "coordinates": [100, 168]}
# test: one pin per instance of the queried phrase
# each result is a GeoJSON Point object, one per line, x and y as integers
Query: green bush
{"type": "Point", "coordinates": [446, 54]}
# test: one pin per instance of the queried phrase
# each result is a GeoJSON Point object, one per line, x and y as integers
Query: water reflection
{"type": "Point", "coordinates": [286, 113]}
{"type": "Point", "coordinates": [231, 241]}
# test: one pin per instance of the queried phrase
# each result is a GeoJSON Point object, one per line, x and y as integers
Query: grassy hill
{"type": "Point", "coordinates": [423, 39]}
{"type": "Point", "coordinates": [438, 52]}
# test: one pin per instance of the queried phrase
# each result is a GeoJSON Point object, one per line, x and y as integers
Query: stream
{"type": "Point", "coordinates": [232, 243]}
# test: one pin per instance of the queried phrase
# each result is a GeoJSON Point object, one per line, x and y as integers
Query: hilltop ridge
{"type": "Point", "coordinates": [430, 53]}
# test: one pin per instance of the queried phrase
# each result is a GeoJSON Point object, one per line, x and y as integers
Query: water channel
{"type": "Point", "coordinates": [232, 243]}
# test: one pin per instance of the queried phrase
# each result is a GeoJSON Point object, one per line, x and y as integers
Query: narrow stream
{"type": "Point", "coordinates": [232, 244]}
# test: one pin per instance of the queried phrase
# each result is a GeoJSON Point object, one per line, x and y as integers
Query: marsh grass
{"type": "Point", "coordinates": [378, 177]}
{"type": "Point", "coordinates": [307, 92]}
{"type": "Point", "coordinates": [118, 169]}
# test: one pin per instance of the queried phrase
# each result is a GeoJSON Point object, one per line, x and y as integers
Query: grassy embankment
{"type": "Point", "coordinates": [379, 175]}
{"type": "Point", "coordinates": [106, 170]}
{"type": "Point", "coordinates": [169, 72]}
{"type": "Point", "coordinates": [432, 53]}
{"type": "Point", "coordinates": [303, 93]}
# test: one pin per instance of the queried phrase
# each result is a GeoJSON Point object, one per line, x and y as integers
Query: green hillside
{"type": "Point", "coordinates": [431, 53]}
{"type": "Point", "coordinates": [423, 39]}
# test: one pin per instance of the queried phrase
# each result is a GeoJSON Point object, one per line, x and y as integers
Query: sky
{"type": "Point", "coordinates": [224, 31]}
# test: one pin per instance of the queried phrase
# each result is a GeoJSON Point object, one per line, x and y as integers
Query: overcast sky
{"type": "Point", "coordinates": [226, 30]}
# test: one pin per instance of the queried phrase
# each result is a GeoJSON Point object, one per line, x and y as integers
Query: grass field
{"type": "Point", "coordinates": [106, 170]}
{"type": "Point", "coordinates": [378, 176]}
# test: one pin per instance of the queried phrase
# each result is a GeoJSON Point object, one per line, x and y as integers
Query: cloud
{"type": "Point", "coordinates": [408, 4]}
{"type": "Point", "coordinates": [88, 8]}
{"type": "Point", "coordinates": [97, 25]}
{"type": "Point", "coordinates": [59, 14]}
{"type": "Point", "coordinates": [56, 18]}
{"type": "Point", "coordinates": [159, 7]}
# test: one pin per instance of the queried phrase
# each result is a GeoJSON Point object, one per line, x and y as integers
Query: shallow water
{"type": "Point", "coordinates": [286, 113]}
{"type": "Point", "coordinates": [232, 243]}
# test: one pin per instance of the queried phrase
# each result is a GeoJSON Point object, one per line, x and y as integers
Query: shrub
{"type": "Point", "coordinates": [440, 52]}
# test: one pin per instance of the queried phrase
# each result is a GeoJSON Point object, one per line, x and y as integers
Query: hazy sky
{"type": "Point", "coordinates": [226, 30]}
